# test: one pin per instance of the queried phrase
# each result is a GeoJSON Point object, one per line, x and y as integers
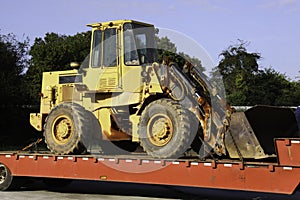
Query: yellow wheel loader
{"type": "Point", "coordinates": [124, 98]}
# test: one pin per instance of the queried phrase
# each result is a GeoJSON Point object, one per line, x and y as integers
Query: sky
{"type": "Point", "coordinates": [272, 27]}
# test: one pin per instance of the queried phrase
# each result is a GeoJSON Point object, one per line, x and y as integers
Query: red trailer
{"type": "Point", "coordinates": [280, 176]}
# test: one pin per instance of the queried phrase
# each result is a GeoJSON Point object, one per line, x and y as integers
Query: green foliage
{"type": "Point", "coordinates": [166, 48]}
{"type": "Point", "coordinates": [237, 69]}
{"type": "Point", "coordinates": [165, 43]}
{"type": "Point", "coordinates": [270, 88]}
{"type": "Point", "coordinates": [247, 85]}
{"type": "Point", "coordinates": [54, 53]}
{"type": "Point", "coordinates": [14, 59]}
{"type": "Point", "coordinates": [296, 92]}
{"type": "Point", "coordinates": [14, 117]}
{"type": "Point", "coordinates": [237, 59]}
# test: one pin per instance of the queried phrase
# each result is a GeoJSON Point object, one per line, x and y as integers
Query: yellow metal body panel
{"type": "Point", "coordinates": [53, 93]}
{"type": "Point", "coordinates": [36, 120]}
{"type": "Point", "coordinates": [154, 85]}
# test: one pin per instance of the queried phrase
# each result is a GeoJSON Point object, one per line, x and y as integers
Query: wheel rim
{"type": "Point", "coordinates": [160, 129]}
{"type": "Point", "coordinates": [3, 173]}
{"type": "Point", "coordinates": [62, 129]}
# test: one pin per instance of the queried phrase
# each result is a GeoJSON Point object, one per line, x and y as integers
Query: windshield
{"type": "Point", "coordinates": [139, 45]}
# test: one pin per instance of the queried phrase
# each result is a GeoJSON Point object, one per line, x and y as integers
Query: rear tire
{"type": "Point", "coordinates": [165, 129]}
{"type": "Point", "coordinates": [65, 127]}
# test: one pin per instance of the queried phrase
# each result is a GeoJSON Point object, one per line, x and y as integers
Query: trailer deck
{"type": "Point", "coordinates": [281, 176]}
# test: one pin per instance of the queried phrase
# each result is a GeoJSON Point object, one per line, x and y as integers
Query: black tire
{"type": "Point", "coordinates": [9, 182]}
{"type": "Point", "coordinates": [165, 129]}
{"type": "Point", "coordinates": [6, 178]}
{"type": "Point", "coordinates": [92, 138]}
{"type": "Point", "coordinates": [67, 129]}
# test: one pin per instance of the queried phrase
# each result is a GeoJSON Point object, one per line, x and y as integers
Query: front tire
{"type": "Point", "coordinates": [64, 128]}
{"type": "Point", "coordinates": [165, 129]}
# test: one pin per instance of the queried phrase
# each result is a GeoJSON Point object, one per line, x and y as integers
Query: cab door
{"type": "Point", "coordinates": [103, 74]}
{"type": "Point", "coordinates": [132, 67]}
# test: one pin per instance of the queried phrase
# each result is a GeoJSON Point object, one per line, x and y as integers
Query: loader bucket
{"type": "Point", "coordinates": [252, 132]}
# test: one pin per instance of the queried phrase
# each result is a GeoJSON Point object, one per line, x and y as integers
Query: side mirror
{"type": "Point", "coordinates": [75, 65]}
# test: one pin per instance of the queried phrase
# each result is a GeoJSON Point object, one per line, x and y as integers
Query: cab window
{"type": "Point", "coordinates": [139, 47]}
{"type": "Point", "coordinates": [104, 50]}
{"type": "Point", "coordinates": [110, 48]}
{"type": "Point", "coordinates": [97, 49]}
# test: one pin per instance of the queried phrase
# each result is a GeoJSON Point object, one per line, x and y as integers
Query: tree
{"type": "Point", "coordinates": [166, 48]}
{"type": "Point", "coordinates": [247, 85]}
{"type": "Point", "coordinates": [296, 94]}
{"type": "Point", "coordinates": [237, 69]}
{"type": "Point", "coordinates": [271, 88]}
{"type": "Point", "coordinates": [14, 117]}
{"type": "Point", "coordinates": [296, 86]}
{"type": "Point", "coordinates": [53, 53]}
{"type": "Point", "coordinates": [14, 60]}
{"type": "Point", "coordinates": [164, 43]}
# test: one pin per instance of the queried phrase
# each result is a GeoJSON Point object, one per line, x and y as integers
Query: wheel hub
{"type": "Point", "coordinates": [3, 174]}
{"type": "Point", "coordinates": [62, 129]}
{"type": "Point", "coordinates": [160, 129]}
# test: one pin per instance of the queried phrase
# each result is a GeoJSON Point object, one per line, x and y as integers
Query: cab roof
{"type": "Point", "coordinates": [116, 23]}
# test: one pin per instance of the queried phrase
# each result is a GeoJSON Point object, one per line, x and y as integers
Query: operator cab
{"type": "Point", "coordinates": [117, 48]}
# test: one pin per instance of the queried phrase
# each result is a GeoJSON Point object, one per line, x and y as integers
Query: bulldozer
{"type": "Point", "coordinates": [124, 96]}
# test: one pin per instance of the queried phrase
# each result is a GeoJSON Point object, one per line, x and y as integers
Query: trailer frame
{"type": "Point", "coordinates": [282, 176]}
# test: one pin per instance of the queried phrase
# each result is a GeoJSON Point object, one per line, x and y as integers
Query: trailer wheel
{"type": "Point", "coordinates": [165, 130]}
{"type": "Point", "coordinates": [64, 128]}
{"type": "Point", "coordinates": [6, 178]}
